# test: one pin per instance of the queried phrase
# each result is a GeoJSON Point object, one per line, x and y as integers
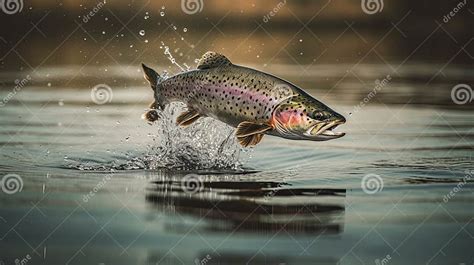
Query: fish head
{"type": "Point", "coordinates": [304, 117]}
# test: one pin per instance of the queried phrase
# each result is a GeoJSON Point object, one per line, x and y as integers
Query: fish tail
{"type": "Point", "coordinates": [155, 82]}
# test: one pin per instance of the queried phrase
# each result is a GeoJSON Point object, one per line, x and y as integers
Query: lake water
{"type": "Point", "coordinates": [101, 186]}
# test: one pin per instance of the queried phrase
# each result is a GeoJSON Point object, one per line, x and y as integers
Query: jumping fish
{"type": "Point", "coordinates": [254, 102]}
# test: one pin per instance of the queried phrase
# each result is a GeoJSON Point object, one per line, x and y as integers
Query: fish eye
{"type": "Point", "coordinates": [318, 115]}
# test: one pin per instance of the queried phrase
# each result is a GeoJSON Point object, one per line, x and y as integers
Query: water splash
{"type": "Point", "coordinates": [171, 57]}
{"type": "Point", "coordinates": [207, 144]}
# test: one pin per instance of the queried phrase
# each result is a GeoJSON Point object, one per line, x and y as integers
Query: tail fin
{"type": "Point", "coordinates": [152, 76]}
{"type": "Point", "coordinates": [154, 79]}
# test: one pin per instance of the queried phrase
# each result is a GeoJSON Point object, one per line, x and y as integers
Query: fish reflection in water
{"type": "Point", "coordinates": [251, 206]}
{"type": "Point", "coordinates": [238, 259]}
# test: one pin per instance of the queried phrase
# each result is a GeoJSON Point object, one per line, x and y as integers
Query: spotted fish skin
{"type": "Point", "coordinates": [239, 96]}
{"type": "Point", "coordinates": [230, 93]}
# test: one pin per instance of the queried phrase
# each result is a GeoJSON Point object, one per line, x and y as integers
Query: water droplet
{"type": "Point", "coordinates": [301, 40]}
{"type": "Point", "coordinates": [49, 84]}
{"type": "Point", "coordinates": [146, 41]}
{"type": "Point", "coordinates": [185, 30]}
{"type": "Point", "coordinates": [162, 13]}
{"type": "Point", "coordinates": [163, 7]}
{"type": "Point", "coordinates": [142, 32]}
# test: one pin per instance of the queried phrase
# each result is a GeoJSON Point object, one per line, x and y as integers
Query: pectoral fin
{"type": "Point", "coordinates": [187, 117]}
{"type": "Point", "coordinates": [151, 115]}
{"type": "Point", "coordinates": [250, 140]}
{"type": "Point", "coordinates": [249, 133]}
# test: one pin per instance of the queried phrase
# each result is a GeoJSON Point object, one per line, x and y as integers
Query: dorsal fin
{"type": "Point", "coordinates": [212, 59]}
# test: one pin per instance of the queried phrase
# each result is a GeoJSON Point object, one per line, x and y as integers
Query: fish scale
{"type": "Point", "coordinates": [228, 94]}
{"type": "Point", "coordinates": [255, 102]}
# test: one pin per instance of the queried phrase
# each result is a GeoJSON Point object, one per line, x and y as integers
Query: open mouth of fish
{"type": "Point", "coordinates": [326, 129]}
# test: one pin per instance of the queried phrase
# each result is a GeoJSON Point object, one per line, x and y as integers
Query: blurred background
{"type": "Point", "coordinates": [98, 185]}
{"type": "Point", "coordinates": [332, 46]}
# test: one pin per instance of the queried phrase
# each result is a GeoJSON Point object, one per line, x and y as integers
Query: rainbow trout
{"type": "Point", "coordinates": [254, 102]}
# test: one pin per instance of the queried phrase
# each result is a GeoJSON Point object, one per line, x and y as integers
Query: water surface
{"type": "Point", "coordinates": [100, 186]}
